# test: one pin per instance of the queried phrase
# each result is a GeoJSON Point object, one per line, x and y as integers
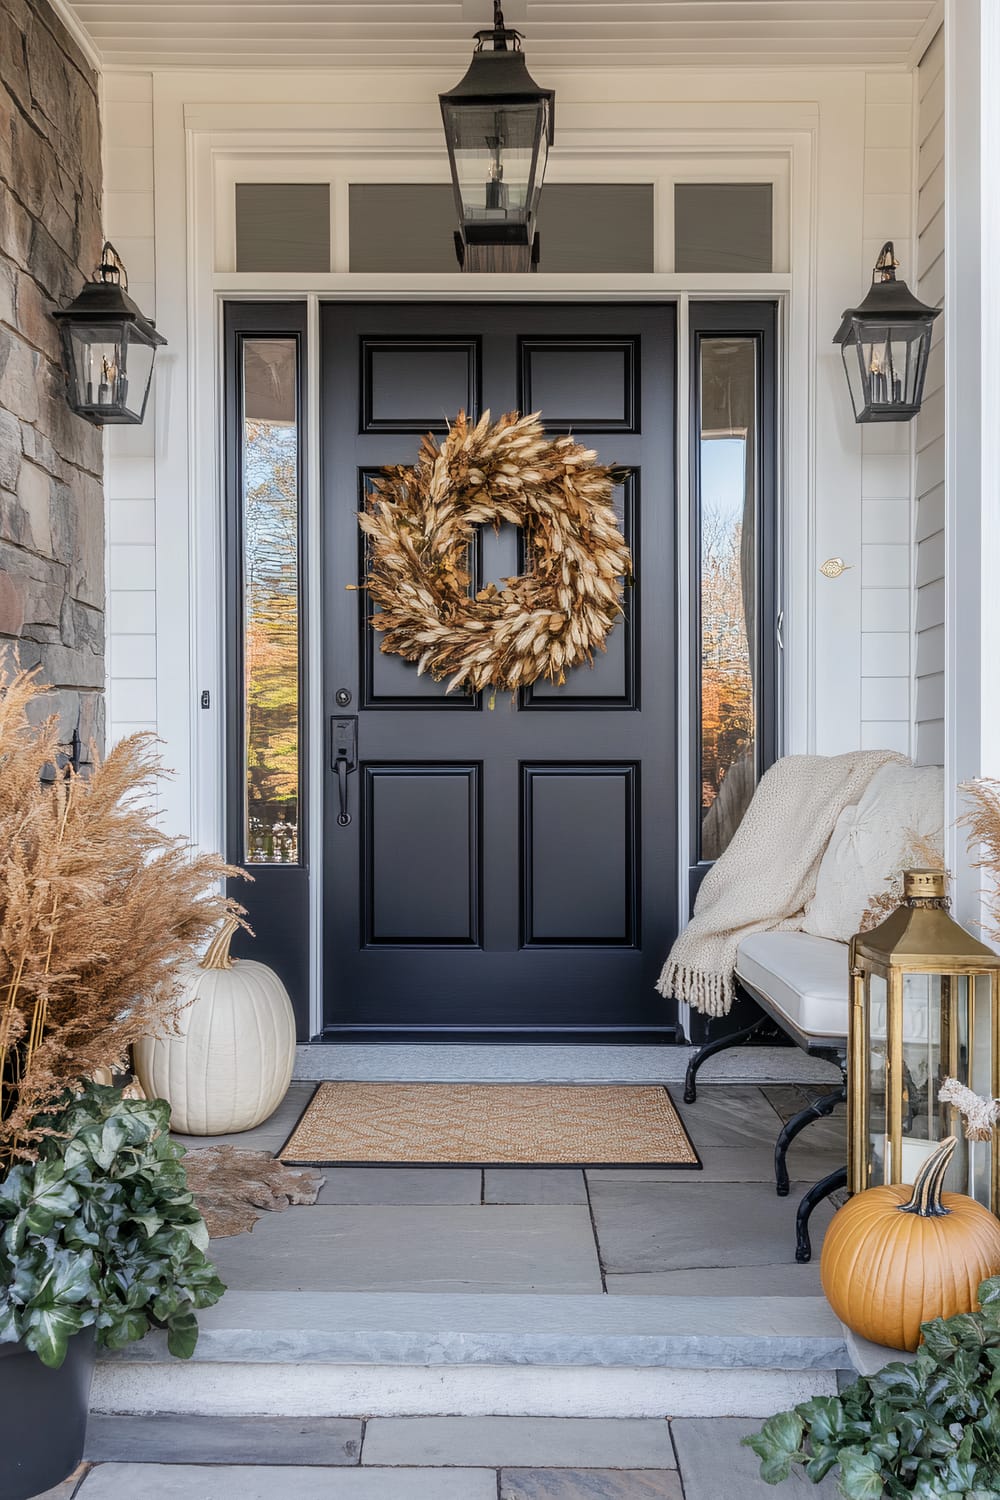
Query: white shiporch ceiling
{"type": "Point", "coordinates": [563, 33]}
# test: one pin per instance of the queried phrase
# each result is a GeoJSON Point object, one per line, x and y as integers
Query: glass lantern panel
{"type": "Point", "coordinates": [891, 358]}
{"type": "Point", "coordinates": [495, 157]}
{"type": "Point", "coordinates": [96, 355]}
{"type": "Point", "coordinates": [921, 1072]}
{"type": "Point", "coordinates": [971, 1063]}
{"type": "Point", "coordinates": [136, 374]}
{"type": "Point", "coordinates": [877, 1118]}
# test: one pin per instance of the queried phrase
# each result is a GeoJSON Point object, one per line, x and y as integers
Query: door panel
{"type": "Point", "coordinates": [495, 876]}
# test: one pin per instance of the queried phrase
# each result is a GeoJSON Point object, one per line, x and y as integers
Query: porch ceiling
{"type": "Point", "coordinates": [564, 33]}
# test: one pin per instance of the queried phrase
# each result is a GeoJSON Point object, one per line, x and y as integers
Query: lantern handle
{"type": "Point", "coordinates": [885, 266]}
{"type": "Point", "coordinates": [501, 34]}
{"type": "Point", "coordinates": [112, 268]}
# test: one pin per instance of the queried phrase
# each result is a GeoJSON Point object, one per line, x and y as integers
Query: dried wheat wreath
{"type": "Point", "coordinates": [421, 521]}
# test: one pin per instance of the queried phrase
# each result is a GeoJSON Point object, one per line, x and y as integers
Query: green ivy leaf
{"type": "Point", "coordinates": [778, 1445]}
{"type": "Point", "coordinates": [48, 1330]}
{"type": "Point", "coordinates": [182, 1332]}
{"type": "Point", "coordinates": [861, 1475]}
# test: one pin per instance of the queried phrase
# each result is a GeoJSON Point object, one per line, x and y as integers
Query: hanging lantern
{"type": "Point", "coordinates": [108, 347]}
{"type": "Point", "coordinates": [499, 126]}
{"type": "Point", "coordinates": [925, 1005]}
{"type": "Point", "coordinates": [885, 344]}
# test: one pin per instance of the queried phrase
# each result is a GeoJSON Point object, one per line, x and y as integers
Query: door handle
{"type": "Point", "coordinates": [343, 758]}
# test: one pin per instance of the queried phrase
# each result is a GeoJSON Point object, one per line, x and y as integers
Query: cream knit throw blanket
{"type": "Point", "coordinates": [763, 880]}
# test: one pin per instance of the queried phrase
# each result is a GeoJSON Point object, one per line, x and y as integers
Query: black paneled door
{"type": "Point", "coordinates": [506, 870]}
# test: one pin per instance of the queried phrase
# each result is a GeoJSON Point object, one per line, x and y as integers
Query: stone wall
{"type": "Point", "coordinates": [51, 492]}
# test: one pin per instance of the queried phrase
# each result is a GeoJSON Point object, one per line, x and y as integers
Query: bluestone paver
{"type": "Point", "coordinates": [170, 1438]}
{"type": "Point", "coordinates": [191, 1482]}
{"type": "Point", "coordinates": [417, 1247]}
{"type": "Point", "coordinates": [754, 1163]}
{"type": "Point", "coordinates": [649, 1226]}
{"type": "Point", "coordinates": [715, 1465]}
{"type": "Point", "coordinates": [527, 1442]}
{"type": "Point", "coordinates": [590, 1484]}
{"type": "Point", "coordinates": [402, 1185]}
{"type": "Point", "coordinates": [271, 1134]}
{"type": "Point", "coordinates": [737, 1116]}
{"type": "Point", "coordinates": [534, 1185]}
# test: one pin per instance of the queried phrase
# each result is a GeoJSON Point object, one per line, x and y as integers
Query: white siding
{"type": "Point", "coordinates": [928, 435]}
{"type": "Point", "coordinates": [885, 465]}
{"type": "Point", "coordinates": [130, 451]}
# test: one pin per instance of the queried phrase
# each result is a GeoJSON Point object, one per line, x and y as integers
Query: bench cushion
{"type": "Point", "coordinates": [872, 843]}
{"type": "Point", "coordinates": [804, 976]}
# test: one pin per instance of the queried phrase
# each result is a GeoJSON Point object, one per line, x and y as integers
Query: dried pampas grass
{"type": "Point", "coordinates": [421, 523]}
{"type": "Point", "coordinates": [982, 819]}
{"type": "Point", "coordinates": [99, 911]}
{"type": "Point", "coordinates": [924, 854]}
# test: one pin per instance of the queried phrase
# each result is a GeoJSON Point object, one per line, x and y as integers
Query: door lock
{"type": "Point", "coordinates": [343, 697]}
{"type": "Point", "coordinates": [343, 758]}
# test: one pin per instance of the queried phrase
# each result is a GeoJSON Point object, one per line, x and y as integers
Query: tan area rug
{"type": "Point", "coordinates": [487, 1124]}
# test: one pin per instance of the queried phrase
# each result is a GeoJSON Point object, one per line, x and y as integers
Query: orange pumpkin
{"type": "Point", "coordinates": [897, 1256]}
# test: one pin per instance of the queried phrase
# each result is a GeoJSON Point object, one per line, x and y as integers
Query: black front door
{"type": "Point", "coordinates": [506, 870]}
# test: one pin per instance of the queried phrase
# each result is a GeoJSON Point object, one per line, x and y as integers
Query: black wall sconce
{"type": "Point", "coordinates": [108, 347]}
{"type": "Point", "coordinates": [499, 126]}
{"type": "Point", "coordinates": [885, 343]}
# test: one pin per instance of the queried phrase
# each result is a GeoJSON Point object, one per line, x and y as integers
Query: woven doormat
{"type": "Point", "coordinates": [489, 1124]}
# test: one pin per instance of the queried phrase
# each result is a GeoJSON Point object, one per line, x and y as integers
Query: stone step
{"type": "Point", "coordinates": [383, 1354]}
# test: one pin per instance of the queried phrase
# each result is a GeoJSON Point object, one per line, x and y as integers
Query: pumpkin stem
{"type": "Point", "coordinates": [926, 1200]}
{"type": "Point", "coordinates": [217, 952]}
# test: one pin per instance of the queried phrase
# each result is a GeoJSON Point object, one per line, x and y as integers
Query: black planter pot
{"type": "Point", "coordinates": [43, 1416]}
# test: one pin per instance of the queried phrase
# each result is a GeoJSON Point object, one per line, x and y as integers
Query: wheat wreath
{"type": "Point", "coordinates": [421, 522]}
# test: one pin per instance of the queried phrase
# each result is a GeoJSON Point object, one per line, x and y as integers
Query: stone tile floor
{"type": "Point", "coordinates": [422, 1458]}
{"type": "Point", "coordinates": [650, 1231]}
{"type": "Point", "coordinates": [720, 1231]}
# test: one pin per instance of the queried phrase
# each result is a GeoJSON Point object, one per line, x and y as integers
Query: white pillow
{"type": "Point", "coordinates": [871, 843]}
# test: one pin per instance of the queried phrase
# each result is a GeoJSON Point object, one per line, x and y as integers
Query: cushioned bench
{"type": "Point", "coordinates": [799, 979]}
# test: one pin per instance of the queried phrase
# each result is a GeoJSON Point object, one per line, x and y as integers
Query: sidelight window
{"type": "Point", "coordinates": [269, 522]}
{"type": "Point", "coordinates": [732, 558]}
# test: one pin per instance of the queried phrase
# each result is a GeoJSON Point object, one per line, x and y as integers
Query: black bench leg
{"type": "Point", "coordinates": [817, 1110]}
{"type": "Point", "coordinates": [722, 1044]}
{"type": "Point", "coordinates": [816, 1194]}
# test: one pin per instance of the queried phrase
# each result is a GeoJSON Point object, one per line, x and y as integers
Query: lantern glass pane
{"type": "Point", "coordinates": [972, 1064]}
{"type": "Point", "coordinates": [877, 1121]}
{"type": "Point", "coordinates": [892, 358]}
{"type": "Point", "coordinates": [137, 370]}
{"type": "Point", "coordinates": [96, 354]}
{"type": "Point", "coordinates": [500, 157]}
{"type": "Point", "coordinates": [921, 1072]}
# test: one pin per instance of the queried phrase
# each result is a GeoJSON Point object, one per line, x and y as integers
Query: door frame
{"type": "Point", "coordinates": [314, 779]}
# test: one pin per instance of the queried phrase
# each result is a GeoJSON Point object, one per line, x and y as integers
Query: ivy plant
{"type": "Point", "coordinates": [101, 1232]}
{"type": "Point", "coordinates": [930, 1428]}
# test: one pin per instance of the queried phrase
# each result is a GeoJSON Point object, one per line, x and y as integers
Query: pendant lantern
{"type": "Point", "coordinates": [498, 126]}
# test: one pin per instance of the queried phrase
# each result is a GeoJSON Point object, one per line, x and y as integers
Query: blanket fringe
{"type": "Point", "coordinates": [711, 994]}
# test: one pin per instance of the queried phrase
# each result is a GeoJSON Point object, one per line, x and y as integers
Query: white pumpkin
{"type": "Point", "coordinates": [230, 1063]}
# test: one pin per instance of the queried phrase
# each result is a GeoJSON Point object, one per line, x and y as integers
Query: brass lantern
{"type": "Point", "coordinates": [925, 1005]}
